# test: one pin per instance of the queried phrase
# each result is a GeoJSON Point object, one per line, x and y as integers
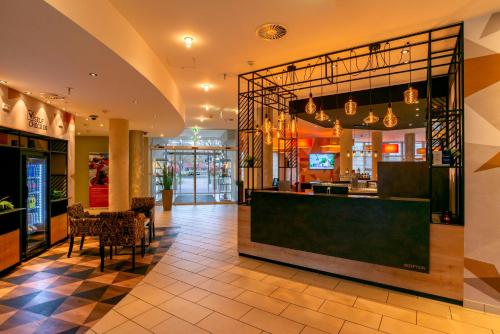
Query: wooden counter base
{"type": "Point", "coordinates": [446, 261]}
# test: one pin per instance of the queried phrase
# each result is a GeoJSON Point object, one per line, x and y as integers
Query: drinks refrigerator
{"type": "Point", "coordinates": [35, 197]}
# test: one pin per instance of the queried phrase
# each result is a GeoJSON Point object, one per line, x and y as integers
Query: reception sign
{"type": "Point", "coordinates": [98, 179]}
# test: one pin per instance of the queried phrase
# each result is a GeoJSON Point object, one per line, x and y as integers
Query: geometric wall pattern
{"type": "Point", "coordinates": [482, 163]}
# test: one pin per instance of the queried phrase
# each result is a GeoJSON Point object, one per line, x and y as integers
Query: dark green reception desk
{"type": "Point", "coordinates": [384, 240]}
{"type": "Point", "coordinates": [388, 231]}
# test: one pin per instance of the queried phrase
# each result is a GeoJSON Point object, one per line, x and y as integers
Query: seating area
{"type": "Point", "coordinates": [114, 229]}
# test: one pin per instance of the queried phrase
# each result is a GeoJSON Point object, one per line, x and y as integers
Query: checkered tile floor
{"type": "Point", "coordinates": [54, 294]}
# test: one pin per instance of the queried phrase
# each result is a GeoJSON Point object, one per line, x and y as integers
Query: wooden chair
{"type": "Point", "coordinates": [125, 229]}
{"type": "Point", "coordinates": [81, 224]}
{"type": "Point", "coordinates": [146, 206]}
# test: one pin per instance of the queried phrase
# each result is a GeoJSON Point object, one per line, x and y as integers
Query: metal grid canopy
{"type": "Point", "coordinates": [419, 57]}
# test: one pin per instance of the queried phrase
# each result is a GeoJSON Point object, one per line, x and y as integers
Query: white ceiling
{"type": "Point", "coordinates": [225, 39]}
{"type": "Point", "coordinates": [44, 51]}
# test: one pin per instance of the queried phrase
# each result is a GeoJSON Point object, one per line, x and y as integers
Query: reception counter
{"type": "Point", "coordinates": [383, 240]}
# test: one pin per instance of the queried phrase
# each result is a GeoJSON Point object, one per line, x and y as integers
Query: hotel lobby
{"type": "Point", "coordinates": [222, 167]}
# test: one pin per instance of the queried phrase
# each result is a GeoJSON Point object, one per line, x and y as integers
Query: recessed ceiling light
{"type": "Point", "coordinates": [411, 124]}
{"type": "Point", "coordinates": [28, 93]}
{"type": "Point", "coordinates": [417, 114]}
{"type": "Point", "coordinates": [92, 74]}
{"type": "Point", "coordinates": [101, 125]}
{"type": "Point", "coordinates": [161, 134]}
{"type": "Point", "coordinates": [205, 86]}
{"type": "Point", "coordinates": [404, 51]}
{"type": "Point", "coordinates": [87, 119]}
{"type": "Point", "coordinates": [417, 109]}
{"type": "Point", "coordinates": [3, 82]}
{"type": "Point", "coordinates": [78, 133]}
{"type": "Point", "coordinates": [188, 41]}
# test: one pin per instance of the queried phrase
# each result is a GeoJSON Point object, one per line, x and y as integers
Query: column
{"type": "Point", "coordinates": [346, 143]}
{"type": "Point", "coordinates": [147, 168]}
{"type": "Point", "coordinates": [376, 157]}
{"type": "Point", "coordinates": [118, 165]}
{"type": "Point", "coordinates": [136, 157]}
{"type": "Point", "coordinates": [409, 146]}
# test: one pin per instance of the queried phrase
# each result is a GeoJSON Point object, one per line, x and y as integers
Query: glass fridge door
{"type": "Point", "coordinates": [36, 202]}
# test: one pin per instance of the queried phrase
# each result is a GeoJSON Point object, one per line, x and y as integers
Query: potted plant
{"type": "Point", "coordinates": [5, 205]}
{"type": "Point", "coordinates": [251, 161]}
{"type": "Point", "coordinates": [166, 184]}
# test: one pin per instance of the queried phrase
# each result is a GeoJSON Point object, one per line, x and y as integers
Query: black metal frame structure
{"type": "Point", "coordinates": [427, 55]}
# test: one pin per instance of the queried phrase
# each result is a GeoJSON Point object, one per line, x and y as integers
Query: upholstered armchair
{"type": "Point", "coordinates": [81, 224]}
{"type": "Point", "coordinates": [146, 206]}
{"type": "Point", "coordinates": [124, 228]}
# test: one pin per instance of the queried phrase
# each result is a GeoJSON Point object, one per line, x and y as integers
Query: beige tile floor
{"type": "Point", "coordinates": [203, 286]}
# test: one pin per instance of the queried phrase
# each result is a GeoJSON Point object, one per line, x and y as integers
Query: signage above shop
{"type": "Point", "coordinates": [35, 121]}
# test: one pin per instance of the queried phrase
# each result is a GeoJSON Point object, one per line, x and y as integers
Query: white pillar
{"type": "Point", "coordinates": [118, 165]}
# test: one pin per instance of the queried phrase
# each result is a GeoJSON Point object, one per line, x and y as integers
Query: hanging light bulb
{"type": "Point", "coordinates": [350, 106]}
{"type": "Point", "coordinates": [310, 106]}
{"type": "Point", "coordinates": [267, 124]}
{"type": "Point", "coordinates": [268, 139]}
{"type": "Point", "coordinates": [390, 120]}
{"type": "Point", "coordinates": [293, 126]}
{"type": "Point", "coordinates": [348, 154]}
{"type": "Point", "coordinates": [375, 154]}
{"type": "Point", "coordinates": [321, 116]}
{"type": "Point", "coordinates": [281, 116]}
{"type": "Point", "coordinates": [337, 129]}
{"type": "Point", "coordinates": [371, 118]}
{"type": "Point", "coordinates": [280, 125]}
{"type": "Point", "coordinates": [411, 94]}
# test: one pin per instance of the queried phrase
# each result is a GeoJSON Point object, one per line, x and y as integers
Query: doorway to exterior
{"type": "Point", "coordinates": [202, 175]}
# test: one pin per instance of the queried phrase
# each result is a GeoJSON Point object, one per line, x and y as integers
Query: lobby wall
{"type": "Point", "coordinates": [84, 145]}
{"type": "Point", "coordinates": [482, 163]}
{"type": "Point", "coordinates": [306, 174]}
{"type": "Point", "coordinates": [25, 113]}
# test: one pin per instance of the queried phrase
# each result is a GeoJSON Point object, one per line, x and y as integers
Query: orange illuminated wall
{"type": "Point", "coordinates": [313, 145]}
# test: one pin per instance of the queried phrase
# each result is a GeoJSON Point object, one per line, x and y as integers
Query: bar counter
{"type": "Point", "coordinates": [382, 240]}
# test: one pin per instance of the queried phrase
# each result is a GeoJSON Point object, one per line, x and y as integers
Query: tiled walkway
{"type": "Point", "coordinates": [56, 294]}
{"type": "Point", "coordinates": [203, 286]}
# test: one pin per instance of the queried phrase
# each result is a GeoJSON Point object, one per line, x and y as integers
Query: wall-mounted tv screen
{"type": "Point", "coordinates": [321, 161]}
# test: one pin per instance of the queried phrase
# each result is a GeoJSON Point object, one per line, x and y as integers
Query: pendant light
{"type": "Point", "coordinates": [371, 118]}
{"type": "Point", "coordinates": [268, 125]}
{"type": "Point", "coordinates": [310, 106]}
{"type": "Point", "coordinates": [350, 106]}
{"type": "Point", "coordinates": [390, 120]}
{"type": "Point", "coordinates": [411, 94]}
{"type": "Point", "coordinates": [321, 116]}
{"type": "Point", "coordinates": [293, 126]}
{"type": "Point", "coordinates": [268, 138]}
{"type": "Point", "coordinates": [337, 128]}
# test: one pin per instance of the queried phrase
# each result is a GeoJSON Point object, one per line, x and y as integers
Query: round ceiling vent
{"type": "Point", "coordinates": [271, 31]}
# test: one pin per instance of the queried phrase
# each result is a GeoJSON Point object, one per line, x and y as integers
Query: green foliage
{"type": "Point", "coordinates": [6, 205]}
{"type": "Point", "coordinates": [57, 194]}
{"type": "Point", "coordinates": [251, 160]}
{"type": "Point", "coordinates": [167, 177]}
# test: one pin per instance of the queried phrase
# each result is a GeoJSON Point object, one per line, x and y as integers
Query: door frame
{"type": "Point", "coordinates": [207, 150]}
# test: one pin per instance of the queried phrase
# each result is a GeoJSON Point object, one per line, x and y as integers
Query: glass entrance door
{"type": "Point", "coordinates": [201, 175]}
